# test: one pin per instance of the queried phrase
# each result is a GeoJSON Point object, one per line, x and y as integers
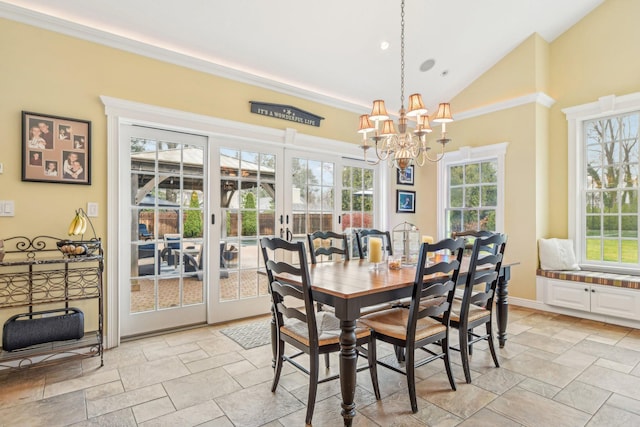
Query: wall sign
{"type": "Point", "coordinates": [285, 112]}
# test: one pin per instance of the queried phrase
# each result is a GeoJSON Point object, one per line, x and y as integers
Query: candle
{"type": "Point", "coordinates": [429, 240]}
{"type": "Point", "coordinates": [375, 250]}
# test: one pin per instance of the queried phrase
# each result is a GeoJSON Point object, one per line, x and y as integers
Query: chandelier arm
{"type": "Point", "coordinates": [420, 159]}
{"type": "Point", "coordinates": [385, 154]}
{"type": "Point", "coordinates": [438, 157]}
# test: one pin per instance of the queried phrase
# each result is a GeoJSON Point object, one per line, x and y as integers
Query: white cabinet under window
{"type": "Point", "coordinates": [605, 300]}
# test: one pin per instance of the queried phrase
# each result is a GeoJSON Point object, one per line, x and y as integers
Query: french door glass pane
{"type": "Point", "coordinates": [248, 202]}
{"type": "Point", "coordinates": [167, 214]}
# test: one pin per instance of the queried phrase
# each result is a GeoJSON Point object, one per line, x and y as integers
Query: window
{"type": "Point", "coordinates": [603, 184]}
{"type": "Point", "coordinates": [357, 201]}
{"type": "Point", "coordinates": [472, 197]}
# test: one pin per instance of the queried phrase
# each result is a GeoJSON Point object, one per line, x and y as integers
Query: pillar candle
{"type": "Point", "coordinates": [429, 240]}
{"type": "Point", "coordinates": [375, 250]}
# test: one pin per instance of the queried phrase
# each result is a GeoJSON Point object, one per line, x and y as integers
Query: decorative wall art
{"type": "Point", "coordinates": [55, 149]}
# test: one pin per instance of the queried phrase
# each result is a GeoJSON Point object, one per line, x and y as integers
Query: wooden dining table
{"type": "Point", "coordinates": [349, 286]}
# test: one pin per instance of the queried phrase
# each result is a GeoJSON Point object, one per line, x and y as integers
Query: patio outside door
{"type": "Point", "coordinates": [164, 274]}
{"type": "Point", "coordinates": [250, 203]}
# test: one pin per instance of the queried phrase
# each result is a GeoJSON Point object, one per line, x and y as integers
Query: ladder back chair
{"type": "Point", "coordinates": [310, 332]}
{"type": "Point", "coordinates": [427, 319]}
{"type": "Point", "coordinates": [327, 243]}
{"type": "Point", "coordinates": [476, 306]}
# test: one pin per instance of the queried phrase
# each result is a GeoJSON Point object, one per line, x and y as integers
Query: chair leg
{"type": "Point", "coordinates": [469, 339]}
{"type": "Point", "coordinates": [278, 365]}
{"type": "Point", "coordinates": [399, 353]}
{"type": "Point", "coordinates": [326, 360]}
{"type": "Point", "coordinates": [313, 385]}
{"type": "Point", "coordinates": [410, 368]}
{"type": "Point", "coordinates": [464, 355]}
{"type": "Point", "coordinates": [373, 366]}
{"type": "Point", "coordinates": [491, 345]}
{"type": "Point", "coordinates": [447, 362]}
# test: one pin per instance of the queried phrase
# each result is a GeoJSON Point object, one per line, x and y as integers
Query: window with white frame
{"type": "Point", "coordinates": [603, 181]}
{"type": "Point", "coordinates": [472, 196]}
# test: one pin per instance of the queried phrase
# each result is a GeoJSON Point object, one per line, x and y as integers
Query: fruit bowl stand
{"type": "Point", "coordinates": [77, 248]}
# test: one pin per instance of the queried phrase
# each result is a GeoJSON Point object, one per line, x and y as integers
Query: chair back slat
{"type": "Point", "coordinates": [362, 237]}
{"type": "Point", "coordinates": [434, 284]}
{"type": "Point", "coordinates": [483, 270]}
{"type": "Point", "coordinates": [338, 244]}
{"type": "Point", "coordinates": [283, 250]}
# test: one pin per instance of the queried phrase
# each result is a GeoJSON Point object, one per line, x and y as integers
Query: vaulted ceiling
{"type": "Point", "coordinates": [328, 50]}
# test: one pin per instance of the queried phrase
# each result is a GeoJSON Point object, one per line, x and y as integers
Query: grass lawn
{"type": "Point", "coordinates": [610, 252]}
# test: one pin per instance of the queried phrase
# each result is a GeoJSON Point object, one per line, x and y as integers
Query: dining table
{"type": "Point", "coordinates": [349, 286]}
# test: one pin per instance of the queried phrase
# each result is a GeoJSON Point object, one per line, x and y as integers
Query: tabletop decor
{"type": "Point", "coordinates": [375, 253]}
{"type": "Point", "coordinates": [56, 149]}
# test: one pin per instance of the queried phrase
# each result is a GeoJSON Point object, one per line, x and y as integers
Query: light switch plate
{"type": "Point", "coordinates": [92, 209]}
{"type": "Point", "coordinates": [9, 208]}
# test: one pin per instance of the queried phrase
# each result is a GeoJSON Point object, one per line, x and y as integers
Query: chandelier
{"type": "Point", "coordinates": [403, 147]}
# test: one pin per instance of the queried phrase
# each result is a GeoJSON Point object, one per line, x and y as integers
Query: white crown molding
{"type": "Point", "coordinates": [538, 97]}
{"type": "Point", "coordinates": [82, 32]}
{"type": "Point", "coordinates": [605, 105]}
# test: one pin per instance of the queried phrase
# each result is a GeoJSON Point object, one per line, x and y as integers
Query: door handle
{"type": "Point", "coordinates": [281, 233]}
{"type": "Point", "coordinates": [289, 235]}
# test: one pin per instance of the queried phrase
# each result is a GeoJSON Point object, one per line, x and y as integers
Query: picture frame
{"type": "Point", "coordinates": [405, 201]}
{"type": "Point", "coordinates": [406, 178]}
{"type": "Point", "coordinates": [56, 149]}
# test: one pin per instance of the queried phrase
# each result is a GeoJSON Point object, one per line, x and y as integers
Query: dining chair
{"type": "Point", "coordinates": [427, 319]}
{"type": "Point", "coordinates": [476, 306]}
{"type": "Point", "coordinates": [362, 237]}
{"type": "Point", "coordinates": [311, 332]}
{"type": "Point", "coordinates": [327, 243]}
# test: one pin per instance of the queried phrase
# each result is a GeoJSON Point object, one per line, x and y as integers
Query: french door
{"type": "Point", "coordinates": [163, 245]}
{"type": "Point", "coordinates": [266, 192]}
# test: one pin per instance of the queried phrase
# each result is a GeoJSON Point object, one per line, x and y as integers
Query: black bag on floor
{"type": "Point", "coordinates": [21, 331]}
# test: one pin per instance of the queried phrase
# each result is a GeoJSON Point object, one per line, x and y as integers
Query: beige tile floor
{"type": "Point", "coordinates": [556, 371]}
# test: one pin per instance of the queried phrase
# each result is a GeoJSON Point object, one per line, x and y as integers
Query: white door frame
{"type": "Point", "coordinates": [121, 111]}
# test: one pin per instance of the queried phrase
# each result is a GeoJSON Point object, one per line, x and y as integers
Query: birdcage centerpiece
{"type": "Point", "coordinates": [406, 242]}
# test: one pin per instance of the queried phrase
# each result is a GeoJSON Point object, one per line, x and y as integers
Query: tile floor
{"type": "Point", "coordinates": [556, 371]}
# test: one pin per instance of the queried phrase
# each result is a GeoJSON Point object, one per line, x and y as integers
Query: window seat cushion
{"type": "Point", "coordinates": [594, 277]}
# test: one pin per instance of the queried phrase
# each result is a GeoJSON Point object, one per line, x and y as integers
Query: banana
{"type": "Point", "coordinates": [73, 225]}
{"type": "Point", "coordinates": [81, 225]}
{"type": "Point", "coordinates": [78, 228]}
{"type": "Point", "coordinates": [84, 224]}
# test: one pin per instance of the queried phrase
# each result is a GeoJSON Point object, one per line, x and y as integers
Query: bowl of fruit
{"type": "Point", "coordinates": [80, 247]}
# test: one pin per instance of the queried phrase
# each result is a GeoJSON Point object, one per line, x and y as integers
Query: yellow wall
{"type": "Point", "coordinates": [50, 73]}
{"type": "Point", "coordinates": [598, 56]}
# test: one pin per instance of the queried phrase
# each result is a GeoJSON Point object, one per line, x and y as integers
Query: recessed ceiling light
{"type": "Point", "coordinates": [427, 65]}
{"type": "Point", "coordinates": [384, 45]}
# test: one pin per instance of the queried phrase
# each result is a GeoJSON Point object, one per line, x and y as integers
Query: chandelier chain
{"type": "Point", "coordinates": [402, 54]}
